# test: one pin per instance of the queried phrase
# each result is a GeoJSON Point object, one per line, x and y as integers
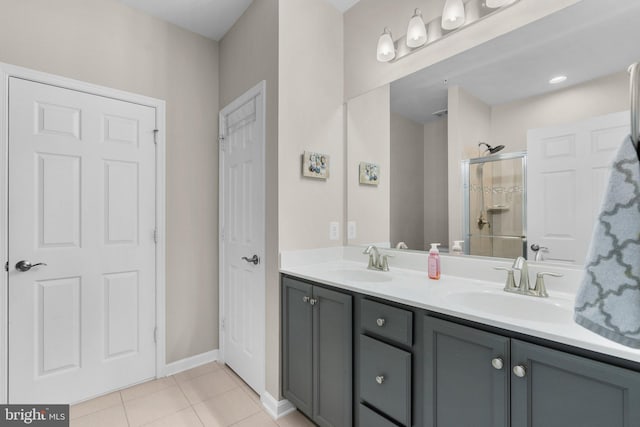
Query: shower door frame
{"type": "Point", "coordinates": [466, 193]}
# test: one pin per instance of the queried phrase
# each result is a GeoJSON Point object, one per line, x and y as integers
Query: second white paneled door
{"type": "Point", "coordinates": [242, 229]}
{"type": "Point", "coordinates": [82, 191]}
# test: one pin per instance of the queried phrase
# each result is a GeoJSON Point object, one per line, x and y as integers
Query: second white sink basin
{"type": "Point", "coordinates": [545, 310]}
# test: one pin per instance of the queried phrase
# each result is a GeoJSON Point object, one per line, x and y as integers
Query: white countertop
{"type": "Point", "coordinates": [412, 287]}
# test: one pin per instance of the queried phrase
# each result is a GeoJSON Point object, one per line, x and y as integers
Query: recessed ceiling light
{"type": "Point", "coordinates": [557, 79]}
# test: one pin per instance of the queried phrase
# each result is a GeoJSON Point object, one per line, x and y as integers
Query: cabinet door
{"type": "Point", "coordinates": [332, 370]}
{"type": "Point", "coordinates": [560, 390]}
{"type": "Point", "coordinates": [297, 344]}
{"type": "Point", "coordinates": [461, 385]}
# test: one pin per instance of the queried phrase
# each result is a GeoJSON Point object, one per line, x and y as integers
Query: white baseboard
{"type": "Point", "coordinates": [276, 408]}
{"type": "Point", "coordinates": [190, 362]}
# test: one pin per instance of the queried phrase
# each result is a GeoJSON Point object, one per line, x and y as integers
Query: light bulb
{"type": "Point", "coordinates": [453, 14]}
{"type": "Point", "coordinates": [386, 49]}
{"type": "Point", "coordinates": [416, 31]}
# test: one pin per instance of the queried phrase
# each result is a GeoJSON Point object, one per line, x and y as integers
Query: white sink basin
{"type": "Point", "coordinates": [363, 275]}
{"type": "Point", "coordinates": [545, 310]}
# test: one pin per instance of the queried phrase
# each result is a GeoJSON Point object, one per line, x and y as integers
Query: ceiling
{"type": "Point", "coordinates": [584, 42]}
{"type": "Point", "coordinates": [210, 18]}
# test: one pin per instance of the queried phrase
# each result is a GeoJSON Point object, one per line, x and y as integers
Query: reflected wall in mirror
{"type": "Point", "coordinates": [499, 93]}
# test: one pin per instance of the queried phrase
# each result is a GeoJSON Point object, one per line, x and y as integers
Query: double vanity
{"type": "Point", "coordinates": [393, 348]}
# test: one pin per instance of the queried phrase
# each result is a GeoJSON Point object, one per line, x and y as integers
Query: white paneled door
{"type": "Point", "coordinates": [82, 205]}
{"type": "Point", "coordinates": [567, 172]}
{"type": "Point", "coordinates": [242, 223]}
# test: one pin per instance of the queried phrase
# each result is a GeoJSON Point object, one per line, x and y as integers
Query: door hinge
{"type": "Point", "coordinates": [222, 323]}
{"type": "Point", "coordinates": [155, 136]}
{"type": "Point", "coordinates": [6, 266]}
{"type": "Point", "coordinates": [221, 141]}
{"type": "Point", "coordinates": [155, 334]}
{"type": "Point", "coordinates": [222, 234]}
{"type": "Point", "coordinates": [155, 235]}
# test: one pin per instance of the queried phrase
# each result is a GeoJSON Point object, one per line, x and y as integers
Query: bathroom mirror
{"type": "Point", "coordinates": [420, 129]}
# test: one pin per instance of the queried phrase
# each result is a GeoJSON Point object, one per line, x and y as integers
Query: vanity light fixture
{"type": "Point", "coordinates": [453, 14]}
{"type": "Point", "coordinates": [386, 48]}
{"type": "Point", "coordinates": [456, 14]}
{"type": "Point", "coordinates": [557, 80]}
{"type": "Point", "coordinates": [416, 31]}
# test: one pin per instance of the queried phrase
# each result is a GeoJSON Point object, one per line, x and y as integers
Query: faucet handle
{"type": "Point", "coordinates": [540, 289]}
{"type": "Point", "coordinates": [384, 264]}
{"type": "Point", "coordinates": [510, 284]}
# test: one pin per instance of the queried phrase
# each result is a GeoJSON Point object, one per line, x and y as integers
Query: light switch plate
{"type": "Point", "coordinates": [334, 230]}
{"type": "Point", "coordinates": [351, 230]}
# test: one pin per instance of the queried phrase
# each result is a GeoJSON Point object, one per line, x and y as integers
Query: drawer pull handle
{"type": "Point", "coordinates": [520, 371]}
{"type": "Point", "coordinates": [497, 363]}
{"type": "Point", "coordinates": [380, 379]}
{"type": "Point", "coordinates": [313, 301]}
{"type": "Point", "coordinates": [306, 300]}
{"type": "Point", "coordinates": [380, 322]}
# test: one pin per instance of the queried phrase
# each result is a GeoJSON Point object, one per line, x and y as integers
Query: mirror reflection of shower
{"type": "Point", "coordinates": [482, 216]}
{"type": "Point", "coordinates": [495, 203]}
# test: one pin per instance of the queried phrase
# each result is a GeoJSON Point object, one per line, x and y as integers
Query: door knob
{"type": "Point", "coordinates": [253, 260]}
{"type": "Point", "coordinates": [380, 379]}
{"type": "Point", "coordinates": [497, 363]}
{"type": "Point", "coordinates": [380, 322]}
{"type": "Point", "coordinates": [26, 265]}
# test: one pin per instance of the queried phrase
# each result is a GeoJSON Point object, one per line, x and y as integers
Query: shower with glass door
{"type": "Point", "coordinates": [495, 204]}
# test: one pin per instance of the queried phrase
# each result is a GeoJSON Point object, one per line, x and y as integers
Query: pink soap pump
{"type": "Point", "coordinates": [434, 262]}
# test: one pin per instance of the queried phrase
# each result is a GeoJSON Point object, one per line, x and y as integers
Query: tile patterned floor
{"type": "Point", "coordinates": [211, 395]}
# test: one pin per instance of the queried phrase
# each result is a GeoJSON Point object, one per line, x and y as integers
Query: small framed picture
{"type": "Point", "coordinates": [315, 165]}
{"type": "Point", "coordinates": [369, 173]}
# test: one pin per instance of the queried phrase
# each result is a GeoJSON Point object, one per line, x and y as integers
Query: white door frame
{"type": "Point", "coordinates": [259, 89]}
{"type": "Point", "coordinates": [7, 71]}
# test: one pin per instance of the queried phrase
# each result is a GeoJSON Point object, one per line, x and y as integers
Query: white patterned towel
{"type": "Point", "coordinates": [608, 302]}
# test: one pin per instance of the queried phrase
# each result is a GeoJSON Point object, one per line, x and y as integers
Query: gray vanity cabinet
{"type": "Point", "coordinates": [317, 352]}
{"type": "Point", "coordinates": [556, 389]}
{"type": "Point", "coordinates": [466, 376]}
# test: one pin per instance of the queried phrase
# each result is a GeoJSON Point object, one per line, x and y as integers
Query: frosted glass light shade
{"type": "Point", "coordinates": [416, 31]}
{"type": "Point", "coordinates": [493, 4]}
{"type": "Point", "coordinates": [386, 49]}
{"type": "Point", "coordinates": [453, 14]}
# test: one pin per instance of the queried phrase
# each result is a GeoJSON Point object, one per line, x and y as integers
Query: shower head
{"type": "Point", "coordinates": [490, 149]}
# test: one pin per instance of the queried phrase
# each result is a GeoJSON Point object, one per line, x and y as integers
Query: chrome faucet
{"type": "Point", "coordinates": [377, 261]}
{"type": "Point", "coordinates": [539, 290]}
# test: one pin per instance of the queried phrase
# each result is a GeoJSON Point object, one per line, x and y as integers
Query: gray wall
{"type": "Point", "coordinates": [407, 182]}
{"type": "Point", "coordinates": [436, 209]}
{"type": "Point", "coordinates": [106, 43]}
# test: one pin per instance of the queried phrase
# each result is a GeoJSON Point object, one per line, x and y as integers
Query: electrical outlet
{"type": "Point", "coordinates": [351, 230]}
{"type": "Point", "coordinates": [334, 231]}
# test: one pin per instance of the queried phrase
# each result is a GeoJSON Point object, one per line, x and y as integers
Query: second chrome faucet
{"type": "Point", "coordinates": [524, 288]}
{"type": "Point", "coordinates": [377, 261]}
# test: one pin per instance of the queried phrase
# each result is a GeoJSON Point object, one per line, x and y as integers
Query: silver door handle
{"type": "Point", "coordinates": [26, 265]}
{"type": "Point", "coordinates": [254, 259]}
{"type": "Point", "coordinates": [520, 371]}
{"type": "Point", "coordinates": [380, 379]}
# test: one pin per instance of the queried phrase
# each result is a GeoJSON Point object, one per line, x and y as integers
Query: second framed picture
{"type": "Point", "coordinates": [369, 173]}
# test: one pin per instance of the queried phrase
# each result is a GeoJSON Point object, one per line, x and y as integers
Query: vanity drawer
{"type": "Point", "coordinates": [386, 321]}
{"type": "Point", "coordinates": [369, 418]}
{"type": "Point", "coordinates": [385, 378]}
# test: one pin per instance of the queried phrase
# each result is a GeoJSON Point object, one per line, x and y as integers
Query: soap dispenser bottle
{"type": "Point", "coordinates": [434, 262]}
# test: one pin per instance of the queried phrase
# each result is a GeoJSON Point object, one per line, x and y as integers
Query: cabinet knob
{"type": "Point", "coordinates": [380, 379]}
{"type": "Point", "coordinates": [520, 371]}
{"type": "Point", "coordinates": [380, 322]}
{"type": "Point", "coordinates": [313, 301]}
{"type": "Point", "coordinates": [497, 363]}
{"type": "Point", "coordinates": [305, 299]}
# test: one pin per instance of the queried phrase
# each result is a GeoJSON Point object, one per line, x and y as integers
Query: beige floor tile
{"type": "Point", "coordinates": [207, 386]}
{"type": "Point", "coordinates": [226, 409]}
{"type": "Point", "coordinates": [261, 419]}
{"type": "Point", "coordinates": [184, 418]}
{"type": "Point", "coordinates": [295, 419]}
{"type": "Point", "coordinates": [251, 393]}
{"type": "Point", "coordinates": [149, 387]}
{"type": "Point", "coordinates": [95, 405]}
{"type": "Point", "coordinates": [110, 417]}
{"type": "Point", "coordinates": [154, 406]}
{"type": "Point", "coordinates": [198, 371]}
